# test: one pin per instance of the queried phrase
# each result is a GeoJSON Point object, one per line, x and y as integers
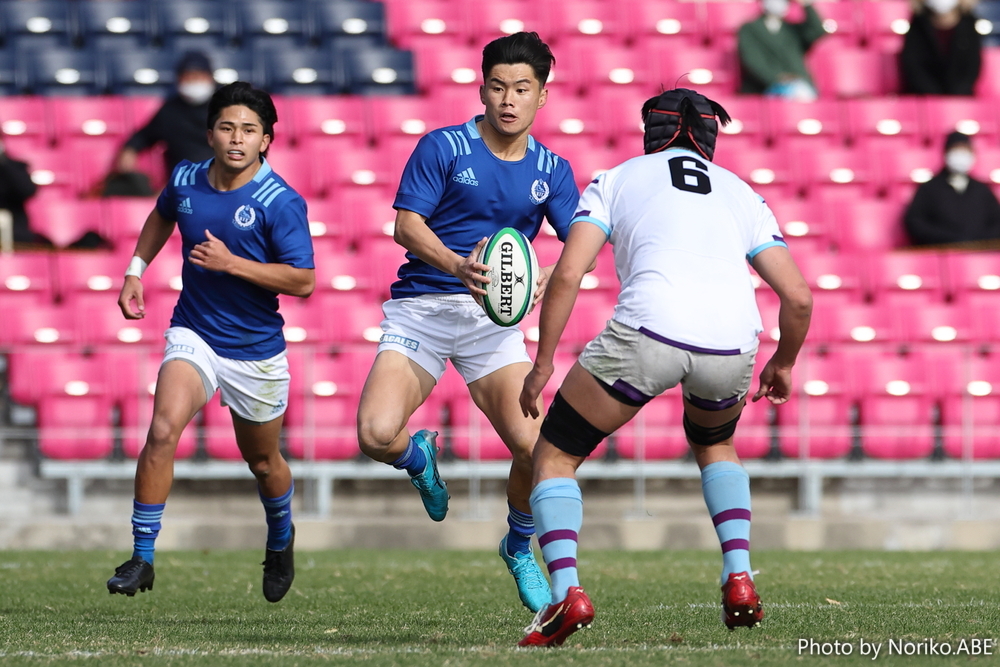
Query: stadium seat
{"type": "Point", "coordinates": [136, 373]}
{"type": "Point", "coordinates": [816, 125]}
{"type": "Point", "coordinates": [836, 321]}
{"type": "Point", "coordinates": [448, 66]}
{"type": "Point", "coordinates": [906, 273]}
{"type": "Point", "coordinates": [87, 116]}
{"type": "Point", "coordinates": [220, 439]}
{"type": "Point", "coordinates": [406, 116]}
{"type": "Point", "coordinates": [893, 119]}
{"type": "Point", "coordinates": [723, 21]}
{"type": "Point", "coordinates": [753, 434]}
{"type": "Point", "coordinates": [38, 18]}
{"type": "Point", "coordinates": [657, 432]}
{"type": "Point", "coordinates": [935, 323]}
{"type": "Point", "coordinates": [836, 277]}
{"type": "Point", "coordinates": [347, 23]}
{"type": "Point", "coordinates": [114, 22]}
{"type": "Point", "coordinates": [100, 321]}
{"type": "Point", "coordinates": [712, 71]}
{"type": "Point", "coordinates": [835, 172]}
{"type": "Point", "coordinates": [339, 116]}
{"type": "Point", "coordinates": [347, 273]}
{"type": "Point", "coordinates": [802, 219]}
{"type": "Point", "coordinates": [298, 71]}
{"type": "Point", "coordinates": [337, 167]}
{"type": "Point", "coordinates": [55, 175]}
{"type": "Point", "coordinates": [378, 71]}
{"type": "Point", "coordinates": [321, 421]}
{"type": "Point", "coordinates": [490, 20]}
{"type": "Point", "coordinates": [614, 68]}
{"type": "Point", "coordinates": [355, 318]}
{"type": "Point", "coordinates": [653, 21]}
{"type": "Point", "coordinates": [970, 406]}
{"type": "Point", "coordinates": [28, 275]}
{"type": "Point", "coordinates": [568, 120]}
{"type": "Point", "coordinates": [124, 218]}
{"type": "Point", "coordinates": [903, 169]}
{"type": "Point", "coordinates": [368, 215]}
{"type": "Point", "coordinates": [816, 420]}
{"type": "Point", "coordinates": [262, 20]}
{"type": "Point", "coordinates": [885, 23]}
{"type": "Point", "coordinates": [64, 220]}
{"type": "Point", "coordinates": [139, 72]}
{"type": "Point", "coordinates": [305, 322]}
{"type": "Point", "coordinates": [37, 323]}
{"type": "Point", "coordinates": [942, 115]}
{"type": "Point", "coordinates": [594, 20]}
{"type": "Point", "coordinates": [25, 117]}
{"type": "Point", "coordinates": [846, 72]}
{"type": "Point", "coordinates": [750, 119]}
{"type": "Point", "coordinates": [192, 18]}
{"type": "Point", "coordinates": [294, 165]}
{"type": "Point", "coordinates": [988, 84]}
{"type": "Point", "coordinates": [970, 273]}
{"type": "Point", "coordinates": [74, 407]}
{"type": "Point", "coordinates": [621, 116]}
{"type": "Point", "coordinates": [10, 75]}
{"type": "Point", "coordinates": [440, 21]}
{"type": "Point", "coordinates": [97, 272]}
{"type": "Point", "coordinates": [865, 225]}
{"type": "Point", "coordinates": [769, 172]}
{"type": "Point", "coordinates": [162, 280]}
{"type": "Point", "coordinates": [59, 71]}
{"type": "Point", "coordinates": [896, 407]}
{"type": "Point", "coordinates": [985, 307]}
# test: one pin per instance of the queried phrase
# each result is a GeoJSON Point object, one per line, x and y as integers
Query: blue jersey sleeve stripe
{"type": "Point", "coordinates": [593, 221]}
{"type": "Point", "coordinates": [454, 149]}
{"type": "Point", "coordinates": [274, 194]}
{"type": "Point", "coordinates": [465, 143]}
{"type": "Point", "coordinates": [266, 191]}
{"type": "Point", "coordinates": [541, 159]}
{"type": "Point", "coordinates": [531, 143]}
{"type": "Point", "coordinates": [471, 128]}
{"type": "Point", "coordinates": [192, 174]}
{"type": "Point", "coordinates": [764, 246]}
{"type": "Point", "coordinates": [262, 188]}
{"type": "Point", "coordinates": [179, 176]}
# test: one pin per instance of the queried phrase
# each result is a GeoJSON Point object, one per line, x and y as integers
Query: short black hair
{"type": "Point", "coordinates": [521, 47]}
{"type": "Point", "coordinates": [242, 94]}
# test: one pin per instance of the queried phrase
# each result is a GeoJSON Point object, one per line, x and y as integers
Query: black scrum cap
{"type": "Point", "coordinates": [682, 112]}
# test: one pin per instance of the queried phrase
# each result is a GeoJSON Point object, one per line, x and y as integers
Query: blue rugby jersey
{"type": "Point", "coordinates": [467, 193]}
{"type": "Point", "coordinates": [264, 221]}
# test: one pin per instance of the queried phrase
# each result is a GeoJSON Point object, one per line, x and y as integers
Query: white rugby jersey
{"type": "Point", "coordinates": [683, 230]}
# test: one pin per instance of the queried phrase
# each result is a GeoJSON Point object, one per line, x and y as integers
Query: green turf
{"type": "Point", "coordinates": [454, 608]}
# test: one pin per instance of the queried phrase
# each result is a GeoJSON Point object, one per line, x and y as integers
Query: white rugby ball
{"type": "Point", "coordinates": [513, 273]}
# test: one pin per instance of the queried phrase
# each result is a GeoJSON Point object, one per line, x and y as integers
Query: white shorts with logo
{"type": "Point", "coordinates": [256, 391]}
{"type": "Point", "coordinates": [432, 328]}
{"type": "Point", "coordinates": [642, 367]}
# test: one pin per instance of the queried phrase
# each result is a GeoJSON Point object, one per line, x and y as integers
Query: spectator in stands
{"type": "Point", "coordinates": [953, 207]}
{"type": "Point", "coordinates": [772, 52]}
{"type": "Point", "coordinates": [16, 188]}
{"type": "Point", "coordinates": [180, 122]}
{"type": "Point", "coordinates": [942, 52]}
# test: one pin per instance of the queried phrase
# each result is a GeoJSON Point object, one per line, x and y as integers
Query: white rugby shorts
{"type": "Point", "coordinates": [642, 367]}
{"type": "Point", "coordinates": [431, 328]}
{"type": "Point", "coordinates": [256, 391]}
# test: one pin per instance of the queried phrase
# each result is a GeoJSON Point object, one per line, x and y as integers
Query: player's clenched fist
{"type": "Point", "coordinates": [132, 291]}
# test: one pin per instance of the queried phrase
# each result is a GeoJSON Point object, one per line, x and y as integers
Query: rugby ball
{"type": "Point", "coordinates": [513, 273]}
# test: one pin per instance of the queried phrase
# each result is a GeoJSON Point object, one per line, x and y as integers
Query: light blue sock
{"type": "Point", "coordinates": [522, 527]}
{"type": "Point", "coordinates": [557, 506]}
{"type": "Point", "coordinates": [413, 460]}
{"type": "Point", "coordinates": [726, 487]}
{"type": "Point", "coordinates": [145, 528]}
{"type": "Point", "coordinates": [278, 514]}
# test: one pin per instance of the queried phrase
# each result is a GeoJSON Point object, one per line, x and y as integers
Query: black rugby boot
{"type": "Point", "coordinates": [132, 576]}
{"type": "Point", "coordinates": [279, 571]}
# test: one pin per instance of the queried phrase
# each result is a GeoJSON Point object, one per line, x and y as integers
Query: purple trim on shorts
{"type": "Point", "coordinates": [630, 391]}
{"type": "Point", "coordinates": [561, 564]}
{"type": "Point", "coordinates": [715, 406]}
{"type": "Point", "coordinates": [729, 515]}
{"type": "Point", "coordinates": [554, 535]}
{"type": "Point", "coordinates": [684, 346]}
{"type": "Point", "coordinates": [734, 545]}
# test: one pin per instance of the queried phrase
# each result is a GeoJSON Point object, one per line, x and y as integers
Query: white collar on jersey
{"type": "Point", "coordinates": [473, 131]}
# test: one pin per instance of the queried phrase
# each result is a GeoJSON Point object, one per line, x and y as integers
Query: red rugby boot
{"type": "Point", "coordinates": [740, 603]}
{"type": "Point", "coordinates": [555, 622]}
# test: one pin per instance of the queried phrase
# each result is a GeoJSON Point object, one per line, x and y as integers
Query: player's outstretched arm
{"type": "Point", "coordinates": [212, 254]}
{"type": "Point", "coordinates": [585, 240]}
{"type": "Point", "coordinates": [155, 232]}
{"type": "Point", "coordinates": [411, 232]}
{"type": "Point", "coordinates": [776, 266]}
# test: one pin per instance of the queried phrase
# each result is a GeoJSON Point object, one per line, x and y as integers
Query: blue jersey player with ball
{"type": "Point", "coordinates": [461, 185]}
{"type": "Point", "coordinates": [245, 239]}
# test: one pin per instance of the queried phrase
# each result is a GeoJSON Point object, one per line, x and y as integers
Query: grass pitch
{"type": "Point", "coordinates": [454, 608]}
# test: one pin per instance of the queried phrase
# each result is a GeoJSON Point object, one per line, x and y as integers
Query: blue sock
{"type": "Point", "coordinates": [278, 514]}
{"type": "Point", "coordinates": [522, 527]}
{"type": "Point", "coordinates": [557, 506]}
{"type": "Point", "coordinates": [145, 528]}
{"type": "Point", "coordinates": [413, 460]}
{"type": "Point", "coordinates": [726, 487]}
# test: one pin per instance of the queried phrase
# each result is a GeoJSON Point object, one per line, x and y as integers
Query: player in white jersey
{"type": "Point", "coordinates": [683, 230]}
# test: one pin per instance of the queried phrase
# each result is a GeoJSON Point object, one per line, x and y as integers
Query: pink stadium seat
{"type": "Point", "coordinates": [139, 109]}
{"type": "Point", "coordinates": [24, 117]}
{"type": "Point", "coordinates": [985, 307]}
{"type": "Point", "coordinates": [835, 321]}
{"type": "Point", "coordinates": [847, 72]}
{"type": "Point", "coordinates": [329, 219]}
{"type": "Point", "coordinates": [831, 276]}
{"type": "Point", "coordinates": [305, 320]}
{"type": "Point", "coordinates": [100, 321]}
{"type": "Point", "coordinates": [438, 19]}
{"type": "Point", "coordinates": [843, 22]}
{"type": "Point", "coordinates": [657, 432]}
{"type": "Point", "coordinates": [970, 273]}
{"type": "Point", "coordinates": [935, 323]}
{"type": "Point", "coordinates": [340, 116]}
{"type": "Point", "coordinates": [28, 323]}
{"type": "Point", "coordinates": [28, 275]}
{"type": "Point", "coordinates": [712, 71]}
{"type": "Point", "coordinates": [335, 168]}
{"type": "Point", "coordinates": [52, 170]}
{"type": "Point", "coordinates": [406, 115]}
{"type": "Point", "coordinates": [395, 152]}
{"type": "Point", "coordinates": [621, 116]}
{"type": "Point", "coordinates": [654, 21]}
{"type": "Point", "coordinates": [587, 159]}
{"type": "Point", "coordinates": [90, 159]}
{"type": "Point", "coordinates": [818, 125]}
{"type": "Point", "coordinates": [347, 272]}
{"type": "Point", "coordinates": [885, 23]}
{"type": "Point", "coordinates": [294, 164]}
{"type": "Point", "coordinates": [590, 316]}
{"type": "Point", "coordinates": [566, 120]}
{"type": "Point", "coordinates": [614, 67]}
{"type": "Point", "coordinates": [889, 118]}
{"type": "Point", "coordinates": [450, 65]}
{"type": "Point", "coordinates": [88, 116]}
{"type": "Point", "coordinates": [65, 220]}
{"type": "Point", "coordinates": [161, 282]}
{"type": "Point", "coordinates": [124, 218]}
{"type": "Point", "coordinates": [836, 172]}
{"type": "Point", "coordinates": [135, 374]}
{"type": "Point", "coordinates": [368, 215]}
{"type": "Point", "coordinates": [970, 406]}
{"type": "Point", "coordinates": [904, 169]}
{"type": "Point", "coordinates": [988, 84]}
{"type": "Point", "coordinates": [354, 318]}
{"type": "Point", "coordinates": [945, 114]}
{"type": "Point", "coordinates": [863, 225]}
{"type": "Point", "coordinates": [97, 272]}
{"type": "Point", "coordinates": [321, 421]}
{"type": "Point", "coordinates": [74, 407]}
{"type": "Point", "coordinates": [907, 273]}
{"type": "Point", "coordinates": [723, 21]}
{"type": "Point", "coordinates": [769, 172]}
{"type": "Point", "coordinates": [802, 219]}
{"type": "Point", "coordinates": [751, 119]}
{"type": "Point", "coordinates": [489, 20]}
{"type": "Point", "coordinates": [593, 20]}
{"type": "Point", "coordinates": [896, 407]}
{"type": "Point", "coordinates": [816, 421]}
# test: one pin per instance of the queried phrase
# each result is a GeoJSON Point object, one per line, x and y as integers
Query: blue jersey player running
{"type": "Point", "coordinates": [246, 239]}
{"type": "Point", "coordinates": [462, 184]}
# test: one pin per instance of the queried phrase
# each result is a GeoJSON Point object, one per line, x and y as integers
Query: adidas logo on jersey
{"type": "Point", "coordinates": [185, 206]}
{"type": "Point", "coordinates": [466, 177]}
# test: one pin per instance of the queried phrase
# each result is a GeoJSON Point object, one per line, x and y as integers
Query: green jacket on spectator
{"type": "Point", "coordinates": [767, 58]}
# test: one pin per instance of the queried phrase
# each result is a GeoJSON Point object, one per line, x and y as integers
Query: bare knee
{"type": "Point", "coordinates": [163, 435]}
{"type": "Point", "coordinates": [375, 437]}
{"type": "Point", "coordinates": [260, 466]}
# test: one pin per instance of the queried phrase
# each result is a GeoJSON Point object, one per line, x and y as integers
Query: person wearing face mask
{"type": "Point", "coordinates": [772, 52]}
{"type": "Point", "coordinates": [180, 122]}
{"type": "Point", "coordinates": [942, 52]}
{"type": "Point", "coordinates": [954, 207]}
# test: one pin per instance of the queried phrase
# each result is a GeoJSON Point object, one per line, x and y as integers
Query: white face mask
{"type": "Point", "coordinates": [196, 92]}
{"type": "Point", "coordinates": [777, 8]}
{"type": "Point", "coordinates": [959, 160]}
{"type": "Point", "coordinates": [941, 6]}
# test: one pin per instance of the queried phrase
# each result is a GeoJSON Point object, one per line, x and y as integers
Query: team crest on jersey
{"type": "Point", "coordinates": [539, 191]}
{"type": "Point", "coordinates": [245, 216]}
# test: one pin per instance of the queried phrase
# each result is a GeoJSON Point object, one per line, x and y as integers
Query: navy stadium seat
{"type": "Point", "coordinates": [37, 18]}
{"type": "Point", "coordinates": [192, 17]}
{"type": "Point", "coordinates": [347, 23]}
{"type": "Point", "coordinates": [264, 19]}
{"type": "Point", "coordinates": [113, 21]}
{"type": "Point", "coordinates": [298, 71]}
{"type": "Point", "coordinates": [60, 71]}
{"type": "Point", "coordinates": [380, 71]}
{"type": "Point", "coordinates": [8, 72]}
{"type": "Point", "coordinates": [139, 72]}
